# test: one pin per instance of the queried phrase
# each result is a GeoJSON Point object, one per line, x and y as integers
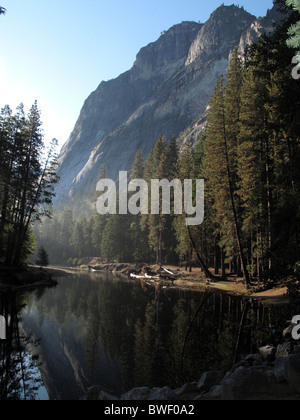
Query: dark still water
{"type": "Point", "coordinates": [95, 329]}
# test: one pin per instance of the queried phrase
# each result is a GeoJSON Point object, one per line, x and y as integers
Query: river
{"type": "Point", "coordinates": [101, 329]}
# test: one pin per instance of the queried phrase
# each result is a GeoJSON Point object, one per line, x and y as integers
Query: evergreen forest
{"type": "Point", "coordinates": [248, 156]}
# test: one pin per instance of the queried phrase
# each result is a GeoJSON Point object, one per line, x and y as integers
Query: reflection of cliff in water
{"type": "Point", "coordinates": [19, 376]}
{"type": "Point", "coordinates": [94, 329]}
{"type": "Point", "coordinates": [71, 354]}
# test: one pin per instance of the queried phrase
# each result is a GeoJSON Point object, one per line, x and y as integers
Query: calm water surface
{"type": "Point", "coordinates": [99, 329]}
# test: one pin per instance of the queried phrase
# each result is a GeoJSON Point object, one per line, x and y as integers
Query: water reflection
{"type": "Point", "coordinates": [96, 329]}
{"type": "Point", "coordinates": [19, 376]}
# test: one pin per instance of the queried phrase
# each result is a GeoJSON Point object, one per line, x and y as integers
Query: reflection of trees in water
{"type": "Point", "coordinates": [18, 380]}
{"type": "Point", "coordinates": [91, 344]}
{"type": "Point", "coordinates": [180, 349]}
{"type": "Point", "coordinates": [157, 337]}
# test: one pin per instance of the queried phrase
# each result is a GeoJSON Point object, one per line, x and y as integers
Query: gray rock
{"type": "Point", "coordinates": [104, 396]}
{"type": "Point", "coordinates": [92, 393]}
{"type": "Point", "coordinates": [162, 394]}
{"type": "Point", "coordinates": [242, 363]}
{"type": "Point", "coordinates": [296, 350]}
{"type": "Point", "coordinates": [187, 389]}
{"type": "Point", "coordinates": [262, 380]}
{"type": "Point", "coordinates": [137, 394]}
{"type": "Point", "coordinates": [293, 371]}
{"type": "Point", "coordinates": [244, 382]}
{"type": "Point", "coordinates": [280, 370]}
{"type": "Point", "coordinates": [254, 358]}
{"type": "Point", "coordinates": [235, 386]}
{"type": "Point", "coordinates": [215, 393]}
{"type": "Point", "coordinates": [208, 380]}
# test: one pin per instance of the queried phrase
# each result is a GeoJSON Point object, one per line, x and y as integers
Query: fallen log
{"type": "Point", "coordinates": [144, 277]}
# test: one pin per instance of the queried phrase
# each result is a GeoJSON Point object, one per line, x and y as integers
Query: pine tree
{"type": "Point", "coordinates": [42, 258]}
{"type": "Point", "coordinates": [207, 236]}
{"type": "Point", "coordinates": [220, 168]}
{"type": "Point", "coordinates": [140, 250]}
{"type": "Point", "coordinates": [232, 107]}
{"type": "Point", "coordinates": [252, 168]}
{"type": "Point", "coordinates": [294, 30]}
{"type": "Point", "coordinates": [137, 171]}
{"type": "Point", "coordinates": [26, 182]}
{"type": "Point", "coordinates": [156, 168]}
{"type": "Point", "coordinates": [185, 170]}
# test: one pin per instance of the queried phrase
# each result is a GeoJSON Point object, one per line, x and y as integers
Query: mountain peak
{"type": "Point", "coordinates": [233, 8]}
{"type": "Point", "coordinates": [219, 34]}
{"type": "Point", "coordinates": [171, 46]}
{"type": "Point", "coordinates": [165, 91]}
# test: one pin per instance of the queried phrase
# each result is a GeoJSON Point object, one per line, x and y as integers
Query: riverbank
{"type": "Point", "coordinates": [27, 278]}
{"type": "Point", "coordinates": [196, 281]}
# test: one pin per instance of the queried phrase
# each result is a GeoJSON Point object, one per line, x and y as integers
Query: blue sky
{"type": "Point", "coordinates": [58, 51]}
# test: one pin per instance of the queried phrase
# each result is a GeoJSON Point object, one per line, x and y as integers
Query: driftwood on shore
{"type": "Point", "coordinates": [138, 271]}
{"type": "Point", "coordinates": [150, 274]}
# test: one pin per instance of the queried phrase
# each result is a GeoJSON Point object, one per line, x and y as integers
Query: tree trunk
{"type": "Point", "coordinates": [216, 256]}
{"type": "Point", "coordinates": [206, 271]}
{"type": "Point", "coordinates": [235, 218]}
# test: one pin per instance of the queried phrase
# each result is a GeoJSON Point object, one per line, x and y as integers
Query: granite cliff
{"type": "Point", "coordinates": [165, 92]}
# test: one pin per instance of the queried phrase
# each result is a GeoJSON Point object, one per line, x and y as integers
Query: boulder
{"type": "Point", "coordinates": [208, 380]}
{"type": "Point", "coordinates": [256, 359]}
{"type": "Point", "coordinates": [280, 370]}
{"type": "Point", "coordinates": [104, 396]}
{"type": "Point", "coordinates": [162, 394]}
{"type": "Point", "coordinates": [235, 385]}
{"type": "Point", "coordinates": [92, 393]}
{"type": "Point", "coordinates": [243, 383]}
{"type": "Point", "coordinates": [293, 371]}
{"type": "Point", "coordinates": [137, 394]}
{"type": "Point", "coordinates": [187, 389]}
{"type": "Point", "coordinates": [215, 393]}
{"type": "Point", "coordinates": [296, 350]}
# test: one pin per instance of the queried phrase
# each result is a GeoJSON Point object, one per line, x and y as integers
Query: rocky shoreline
{"type": "Point", "coordinates": [272, 373]}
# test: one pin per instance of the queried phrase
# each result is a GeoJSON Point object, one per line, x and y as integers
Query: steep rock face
{"type": "Point", "coordinates": [167, 89]}
{"type": "Point", "coordinates": [259, 27]}
{"type": "Point", "coordinates": [263, 25]}
{"type": "Point", "coordinates": [220, 34]}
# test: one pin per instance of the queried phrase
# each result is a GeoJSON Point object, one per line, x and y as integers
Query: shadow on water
{"type": "Point", "coordinates": [98, 329]}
